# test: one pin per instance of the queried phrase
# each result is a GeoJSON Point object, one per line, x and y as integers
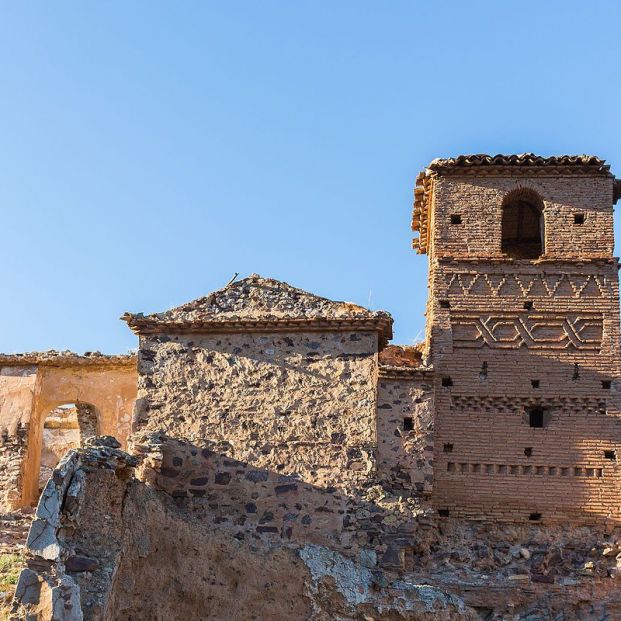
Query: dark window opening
{"type": "Point", "coordinates": [408, 423]}
{"type": "Point", "coordinates": [606, 384]}
{"type": "Point", "coordinates": [528, 451]}
{"type": "Point", "coordinates": [579, 218]}
{"type": "Point", "coordinates": [455, 218]}
{"type": "Point", "coordinates": [443, 512]}
{"type": "Point", "coordinates": [535, 417]}
{"type": "Point", "coordinates": [483, 371]}
{"type": "Point", "coordinates": [610, 454]}
{"type": "Point", "coordinates": [534, 517]}
{"type": "Point", "coordinates": [534, 383]}
{"type": "Point", "coordinates": [528, 305]}
{"type": "Point", "coordinates": [522, 225]}
{"type": "Point", "coordinates": [447, 448]}
{"type": "Point", "coordinates": [447, 382]}
{"type": "Point", "coordinates": [445, 304]}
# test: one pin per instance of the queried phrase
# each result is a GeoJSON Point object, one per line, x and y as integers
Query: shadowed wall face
{"type": "Point", "coordinates": [525, 350]}
{"type": "Point", "coordinates": [299, 402]}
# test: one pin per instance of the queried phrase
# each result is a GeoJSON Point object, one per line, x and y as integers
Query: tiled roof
{"type": "Point", "coordinates": [55, 358]}
{"type": "Point", "coordinates": [260, 304]}
{"type": "Point", "coordinates": [591, 163]}
{"type": "Point", "coordinates": [482, 164]}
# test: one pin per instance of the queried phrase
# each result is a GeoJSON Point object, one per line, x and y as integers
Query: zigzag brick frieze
{"type": "Point", "coordinates": [527, 285]}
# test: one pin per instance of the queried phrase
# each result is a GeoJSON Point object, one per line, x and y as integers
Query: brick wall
{"type": "Point", "coordinates": [514, 338]}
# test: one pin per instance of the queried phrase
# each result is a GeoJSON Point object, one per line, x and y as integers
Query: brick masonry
{"type": "Point", "coordinates": [510, 337]}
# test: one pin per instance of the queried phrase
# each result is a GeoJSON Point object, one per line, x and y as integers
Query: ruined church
{"type": "Point", "coordinates": [269, 454]}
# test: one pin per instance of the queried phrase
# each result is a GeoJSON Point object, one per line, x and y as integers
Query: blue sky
{"type": "Point", "coordinates": [150, 150]}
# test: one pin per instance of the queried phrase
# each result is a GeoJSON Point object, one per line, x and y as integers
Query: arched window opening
{"type": "Point", "coordinates": [522, 225]}
{"type": "Point", "coordinates": [65, 427]}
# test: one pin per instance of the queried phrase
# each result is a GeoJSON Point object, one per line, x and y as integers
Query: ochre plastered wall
{"type": "Point", "coordinates": [497, 325]}
{"type": "Point", "coordinates": [29, 393]}
{"type": "Point", "coordinates": [17, 389]}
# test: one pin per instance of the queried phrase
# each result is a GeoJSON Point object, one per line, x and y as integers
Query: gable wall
{"type": "Point", "coordinates": [300, 402]}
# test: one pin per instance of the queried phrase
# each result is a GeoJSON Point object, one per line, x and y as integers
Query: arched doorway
{"type": "Point", "coordinates": [65, 427]}
{"type": "Point", "coordinates": [522, 225]}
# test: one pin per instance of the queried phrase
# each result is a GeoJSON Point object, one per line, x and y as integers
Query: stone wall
{"type": "Point", "coordinates": [109, 545]}
{"type": "Point", "coordinates": [405, 430]}
{"type": "Point", "coordinates": [300, 403]}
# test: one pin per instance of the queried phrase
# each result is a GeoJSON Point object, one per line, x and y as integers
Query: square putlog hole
{"type": "Point", "coordinates": [447, 382]}
{"type": "Point", "coordinates": [535, 517]}
{"type": "Point", "coordinates": [455, 218]}
{"type": "Point", "coordinates": [578, 218]}
{"type": "Point", "coordinates": [536, 417]}
{"type": "Point", "coordinates": [408, 423]}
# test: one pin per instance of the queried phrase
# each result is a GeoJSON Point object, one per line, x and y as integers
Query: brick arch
{"type": "Point", "coordinates": [523, 224]}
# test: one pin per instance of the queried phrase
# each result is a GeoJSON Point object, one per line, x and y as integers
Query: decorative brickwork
{"type": "Point", "coordinates": [525, 351]}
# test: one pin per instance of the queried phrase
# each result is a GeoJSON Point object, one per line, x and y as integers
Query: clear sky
{"type": "Point", "coordinates": [150, 150]}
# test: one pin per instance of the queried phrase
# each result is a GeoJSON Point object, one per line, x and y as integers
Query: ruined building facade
{"type": "Point", "coordinates": [275, 431]}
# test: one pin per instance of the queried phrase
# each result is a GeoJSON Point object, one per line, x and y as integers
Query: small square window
{"type": "Point", "coordinates": [448, 448]}
{"type": "Point", "coordinates": [534, 383]}
{"type": "Point", "coordinates": [528, 305]}
{"type": "Point", "coordinates": [445, 304]}
{"type": "Point", "coordinates": [528, 451]}
{"type": "Point", "coordinates": [408, 423]}
{"type": "Point", "coordinates": [443, 512]}
{"type": "Point", "coordinates": [455, 218]}
{"type": "Point", "coordinates": [534, 517]}
{"type": "Point", "coordinates": [447, 382]}
{"type": "Point", "coordinates": [606, 384]}
{"type": "Point", "coordinates": [610, 454]}
{"type": "Point", "coordinates": [578, 218]}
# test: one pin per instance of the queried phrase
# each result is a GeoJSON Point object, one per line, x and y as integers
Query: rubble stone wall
{"type": "Point", "coordinates": [110, 544]}
{"type": "Point", "coordinates": [405, 432]}
{"type": "Point", "coordinates": [294, 403]}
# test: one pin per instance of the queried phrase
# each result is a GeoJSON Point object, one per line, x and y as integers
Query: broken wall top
{"type": "Point", "coordinates": [261, 304]}
{"type": "Point", "coordinates": [53, 358]}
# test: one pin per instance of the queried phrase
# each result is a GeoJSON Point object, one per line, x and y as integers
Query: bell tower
{"type": "Point", "coordinates": [523, 335]}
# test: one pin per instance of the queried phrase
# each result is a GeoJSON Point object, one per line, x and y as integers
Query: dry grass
{"type": "Point", "coordinates": [10, 566]}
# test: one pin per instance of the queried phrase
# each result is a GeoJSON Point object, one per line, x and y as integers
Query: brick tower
{"type": "Point", "coordinates": [523, 336]}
